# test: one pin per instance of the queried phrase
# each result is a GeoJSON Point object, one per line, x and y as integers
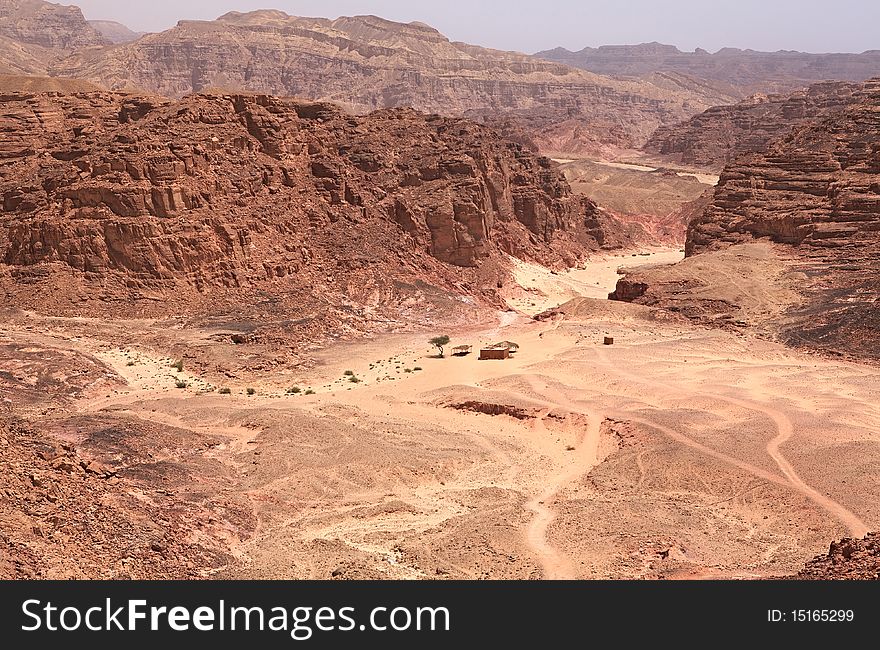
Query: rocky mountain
{"type": "Point", "coordinates": [747, 70]}
{"type": "Point", "coordinates": [147, 205]}
{"type": "Point", "coordinates": [815, 195]}
{"type": "Point", "coordinates": [660, 200]}
{"type": "Point", "coordinates": [33, 33]}
{"type": "Point", "coordinates": [47, 25]}
{"type": "Point", "coordinates": [367, 63]}
{"type": "Point", "coordinates": [115, 32]}
{"type": "Point", "coordinates": [721, 134]}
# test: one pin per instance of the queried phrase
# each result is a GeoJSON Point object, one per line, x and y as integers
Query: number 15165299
{"type": "Point", "coordinates": [810, 616]}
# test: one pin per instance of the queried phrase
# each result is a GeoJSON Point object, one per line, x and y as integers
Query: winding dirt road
{"type": "Point", "coordinates": [678, 452]}
{"type": "Point", "coordinates": [784, 433]}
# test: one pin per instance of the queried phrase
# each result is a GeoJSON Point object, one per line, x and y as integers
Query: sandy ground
{"type": "Point", "coordinates": [677, 452]}
{"type": "Point", "coordinates": [703, 177]}
{"type": "Point", "coordinates": [544, 289]}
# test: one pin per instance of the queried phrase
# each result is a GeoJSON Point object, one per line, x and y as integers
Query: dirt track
{"type": "Point", "coordinates": [678, 452]}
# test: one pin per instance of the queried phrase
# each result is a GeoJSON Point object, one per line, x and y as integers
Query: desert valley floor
{"type": "Point", "coordinates": [676, 452]}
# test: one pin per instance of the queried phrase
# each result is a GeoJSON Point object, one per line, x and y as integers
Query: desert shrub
{"type": "Point", "coordinates": [251, 391]}
{"type": "Point", "coordinates": [349, 373]}
{"type": "Point", "coordinates": [309, 392]}
{"type": "Point", "coordinates": [294, 390]}
{"type": "Point", "coordinates": [354, 380]}
{"type": "Point", "coordinates": [178, 364]}
{"type": "Point", "coordinates": [225, 391]}
{"type": "Point", "coordinates": [417, 368]}
{"type": "Point", "coordinates": [181, 384]}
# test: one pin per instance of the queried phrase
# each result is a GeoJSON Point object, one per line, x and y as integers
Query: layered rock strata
{"type": "Point", "coordinates": [254, 193]}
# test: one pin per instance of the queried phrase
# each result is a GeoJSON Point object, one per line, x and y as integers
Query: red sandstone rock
{"type": "Point", "coordinates": [721, 134]}
{"type": "Point", "coordinates": [816, 194]}
{"type": "Point", "coordinates": [247, 193]}
{"type": "Point", "coordinates": [847, 559]}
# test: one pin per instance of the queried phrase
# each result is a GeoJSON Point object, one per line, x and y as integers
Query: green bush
{"type": "Point", "coordinates": [225, 391]}
{"type": "Point", "coordinates": [294, 390]}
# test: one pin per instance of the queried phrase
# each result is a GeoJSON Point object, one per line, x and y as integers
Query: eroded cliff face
{"type": "Point", "coordinates": [817, 187]}
{"type": "Point", "coordinates": [34, 33]}
{"type": "Point", "coordinates": [813, 195]}
{"type": "Point", "coordinates": [47, 24]}
{"type": "Point", "coordinates": [367, 63]}
{"type": "Point", "coordinates": [150, 197]}
{"type": "Point", "coordinates": [722, 134]}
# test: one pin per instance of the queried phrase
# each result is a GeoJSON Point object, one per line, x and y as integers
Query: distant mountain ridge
{"type": "Point", "coordinates": [47, 25]}
{"type": "Point", "coordinates": [750, 70]}
{"type": "Point", "coordinates": [115, 32]}
{"type": "Point", "coordinates": [367, 63]}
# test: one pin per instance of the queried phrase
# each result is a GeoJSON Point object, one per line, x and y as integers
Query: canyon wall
{"type": "Point", "coordinates": [215, 193]}
{"type": "Point", "coordinates": [47, 24]}
{"type": "Point", "coordinates": [814, 197]}
{"type": "Point", "coordinates": [721, 134]}
{"type": "Point", "coordinates": [366, 63]}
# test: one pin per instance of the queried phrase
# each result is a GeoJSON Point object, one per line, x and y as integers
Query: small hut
{"type": "Point", "coordinates": [493, 352]}
{"type": "Point", "coordinates": [461, 350]}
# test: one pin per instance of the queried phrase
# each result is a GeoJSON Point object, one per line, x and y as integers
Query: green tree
{"type": "Point", "coordinates": [438, 342]}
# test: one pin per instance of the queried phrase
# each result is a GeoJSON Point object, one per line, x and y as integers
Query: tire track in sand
{"type": "Point", "coordinates": [784, 432]}
{"type": "Point", "coordinates": [586, 456]}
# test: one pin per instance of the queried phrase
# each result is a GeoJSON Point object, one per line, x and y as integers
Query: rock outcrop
{"type": "Point", "coordinates": [815, 195]}
{"type": "Point", "coordinates": [721, 134]}
{"type": "Point", "coordinates": [217, 194]}
{"type": "Point", "coordinates": [748, 70]}
{"type": "Point", "coordinates": [847, 559]}
{"type": "Point", "coordinates": [366, 63]}
{"type": "Point", "coordinates": [100, 506]}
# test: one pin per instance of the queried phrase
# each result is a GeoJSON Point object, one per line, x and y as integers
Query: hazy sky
{"type": "Point", "coordinates": [532, 25]}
